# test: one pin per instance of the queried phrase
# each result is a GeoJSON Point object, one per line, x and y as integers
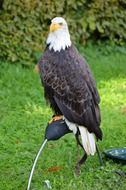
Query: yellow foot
{"type": "Point", "coordinates": [56, 118]}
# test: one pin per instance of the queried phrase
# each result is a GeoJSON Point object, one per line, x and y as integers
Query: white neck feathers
{"type": "Point", "coordinates": [58, 40]}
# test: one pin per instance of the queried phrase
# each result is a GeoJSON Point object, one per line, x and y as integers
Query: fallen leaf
{"type": "Point", "coordinates": [54, 168]}
{"type": "Point", "coordinates": [36, 68]}
{"type": "Point", "coordinates": [51, 146]}
{"type": "Point", "coordinates": [124, 109]}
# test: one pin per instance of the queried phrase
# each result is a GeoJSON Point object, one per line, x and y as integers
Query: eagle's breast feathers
{"type": "Point", "coordinates": [70, 88]}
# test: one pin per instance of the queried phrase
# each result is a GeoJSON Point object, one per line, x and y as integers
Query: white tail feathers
{"type": "Point", "coordinates": [88, 141]}
{"type": "Point", "coordinates": [71, 126]}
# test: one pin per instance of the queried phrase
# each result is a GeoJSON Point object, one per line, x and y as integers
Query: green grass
{"type": "Point", "coordinates": [23, 118]}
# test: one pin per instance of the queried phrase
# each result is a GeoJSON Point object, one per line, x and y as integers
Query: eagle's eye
{"type": "Point", "coordinates": [60, 23]}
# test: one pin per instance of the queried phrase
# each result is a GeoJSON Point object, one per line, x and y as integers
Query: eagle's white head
{"type": "Point", "coordinates": [59, 37]}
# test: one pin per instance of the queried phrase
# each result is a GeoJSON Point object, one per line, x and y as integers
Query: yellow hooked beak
{"type": "Point", "coordinates": [54, 26]}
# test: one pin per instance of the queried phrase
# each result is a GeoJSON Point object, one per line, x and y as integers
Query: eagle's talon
{"type": "Point", "coordinates": [56, 118]}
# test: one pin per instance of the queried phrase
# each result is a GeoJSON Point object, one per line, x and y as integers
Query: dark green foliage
{"type": "Point", "coordinates": [24, 24]}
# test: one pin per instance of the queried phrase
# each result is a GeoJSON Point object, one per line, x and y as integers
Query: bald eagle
{"type": "Point", "coordinates": [69, 85]}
